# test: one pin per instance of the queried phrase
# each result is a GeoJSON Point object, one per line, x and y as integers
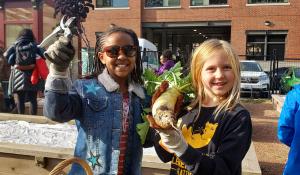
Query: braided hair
{"type": "Point", "coordinates": [136, 74]}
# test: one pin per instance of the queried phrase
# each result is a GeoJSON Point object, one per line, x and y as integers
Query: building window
{"type": "Point", "coordinates": [266, 1]}
{"type": "Point", "coordinates": [207, 2]}
{"type": "Point", "coordinates": [265, 45]}
{"type": "Point", "coordinates": [111, 3]}
{"type": "Point", "coordinates": [15, 14]}
{"type": "Point", "coordinates": [162, 3]}
{"type": "Point", "coordinates": [12, 31]}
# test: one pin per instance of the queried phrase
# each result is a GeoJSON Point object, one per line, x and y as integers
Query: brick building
{"type": "Point", "coordinates": [18, 14]}
{"type": "Point", "coordinates": [254, 27]}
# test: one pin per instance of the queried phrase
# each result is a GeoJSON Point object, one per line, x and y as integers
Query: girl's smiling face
{"type": "Point", "coordinates": [217, 76]}
{"type": "Point", "coordinates": [121, 64]}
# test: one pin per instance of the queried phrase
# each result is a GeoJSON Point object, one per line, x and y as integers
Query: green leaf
{"type": "Point", "coordinates": [173, 76]}
{"type": "Point", "coordinates": [151, 81]}
{"type": "Point", "coordinates": [142, 128]}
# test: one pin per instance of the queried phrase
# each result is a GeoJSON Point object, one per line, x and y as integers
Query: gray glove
{"type": "Point", "coordinates": [172, 141]}
{"type": "Point", "coordinates": [60, 53]}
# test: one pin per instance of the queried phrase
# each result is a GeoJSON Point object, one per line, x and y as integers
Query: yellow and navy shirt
{"type": "Point", "coordinates": [217, 145]}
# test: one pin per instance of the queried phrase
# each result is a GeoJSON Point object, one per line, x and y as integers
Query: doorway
{"type": "Point", "coordinates": [183, 40]}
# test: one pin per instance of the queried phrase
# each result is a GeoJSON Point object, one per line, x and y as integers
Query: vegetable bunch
{"type": "Point", "coordinates": [163, 109]}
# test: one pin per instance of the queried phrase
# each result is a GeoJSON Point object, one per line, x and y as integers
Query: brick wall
{"type": "Point", "coordinates": [243, 17]}
{"type": "Point", "coordinates": [99, 19]}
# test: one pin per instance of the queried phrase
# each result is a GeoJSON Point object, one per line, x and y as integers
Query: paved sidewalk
{"type": "Point", "coordinates": [270, 152]}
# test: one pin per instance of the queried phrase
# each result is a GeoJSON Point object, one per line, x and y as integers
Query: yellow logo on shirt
{"type": "Point", "coordinates": [199, 140]}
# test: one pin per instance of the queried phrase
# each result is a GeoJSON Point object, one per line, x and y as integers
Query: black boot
{"type": "Point", "coordinates": [6, 104]}
{"type": "Point", "coordinates": [12, 104]}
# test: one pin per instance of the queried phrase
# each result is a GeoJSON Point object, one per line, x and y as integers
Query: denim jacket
{"type": "Point", "coordinates": [96, 106]}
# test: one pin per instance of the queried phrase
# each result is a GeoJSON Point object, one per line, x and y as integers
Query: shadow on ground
{"type": "Point", "coordinates": [263, 133]}
{"type": "Point", "coordinates": [268, 168]}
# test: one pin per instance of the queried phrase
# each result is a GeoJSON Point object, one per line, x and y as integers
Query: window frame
{"type": "Point", "coordinates": [209, 5]}
{"type": "Point", "coordinates": [161, 7]}
{"type": "Point", "coordinates": [266, 3]}
{"type": "Point", "coordinates": [111, 7]}
{"type": "Point", "coordinates": [267, 35]}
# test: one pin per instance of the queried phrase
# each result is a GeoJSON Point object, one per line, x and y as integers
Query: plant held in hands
{"type": "Point", "coordinates": [169, 97]}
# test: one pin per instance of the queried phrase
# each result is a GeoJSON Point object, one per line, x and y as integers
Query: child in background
{"type": "Point", "coordinates": [289, 129]}
{"type": "Point", "coordinates": [214, 131]}
{"type": "Point", "coordinates": [106, 108]}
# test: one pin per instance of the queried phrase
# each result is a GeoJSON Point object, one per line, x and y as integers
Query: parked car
{"type": "Point", "coordinates": [253, 79]}
{"type": "Point", "coordinates": [290, 78]}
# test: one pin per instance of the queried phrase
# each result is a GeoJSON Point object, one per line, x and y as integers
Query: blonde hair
{"type": "Point", "coordinates": [200, 55]}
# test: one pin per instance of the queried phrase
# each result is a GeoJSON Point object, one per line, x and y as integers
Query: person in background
{"type": "Point", "coordinates": [107, 107]}
{"type": "Point", "coordinates": [213, 133]}
{"type": "Point", "coordinates": [166, 62]}
{"type": "Point", "coordinates": [9, 102]}
{"type": "Point", "coordinates": [289, 130]}
{"type": "Point", "coordinates": [22, 57]}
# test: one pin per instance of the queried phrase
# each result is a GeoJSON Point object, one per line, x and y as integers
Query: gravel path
{"type": "Point", "coordinates": [60, 135]}
{"type": "Point", "coordinates": [271, 154]}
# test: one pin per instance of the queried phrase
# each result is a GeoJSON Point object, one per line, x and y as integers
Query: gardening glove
{"type": "Point", "coordinates": [162, 88]}
{"type": "Point", "coordinates": [60, 54]}
{"type": "Point", "coordinates": [172, 141]}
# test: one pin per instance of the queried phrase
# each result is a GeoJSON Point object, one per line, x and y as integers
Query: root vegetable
{"type": "Point", "coordinates": [163, 109]}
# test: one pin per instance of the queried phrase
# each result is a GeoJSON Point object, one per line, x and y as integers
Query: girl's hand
{"type": "Point", "coordinates": [60, 53]}
{"type": "Point", "coordinates": [172, 141]}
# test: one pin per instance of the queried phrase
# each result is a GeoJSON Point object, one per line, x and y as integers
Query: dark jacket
{"type": "Point", "coordinates": [23, 52]}
{"type": "Point", "coordinates": [217, 146]}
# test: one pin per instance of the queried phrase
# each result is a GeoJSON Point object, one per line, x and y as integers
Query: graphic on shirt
{"type": "Point", "coordinates": [199, 139]}
{"type": "Point", "coordinates": [91, 88]}
{"type": "Point", "coordinates": [93, 160]}
{"type": "Point", "coordinates": [195, 138]}
{"type": "Point", "coordinates": [180, 169]}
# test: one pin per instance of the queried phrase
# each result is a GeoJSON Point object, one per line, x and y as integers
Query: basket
{"type": "Point", "coordinates": [57, 170]}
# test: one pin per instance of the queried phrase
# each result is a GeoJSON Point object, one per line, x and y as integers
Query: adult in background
{"type": "Point", "coordinates": [165, 61]}
{"type": "Point", "coordinates": [289, 130]}
{"type": "Point", "coordinates": [22, 56]}
{"type": "Point", "coordinates": [9, 103]}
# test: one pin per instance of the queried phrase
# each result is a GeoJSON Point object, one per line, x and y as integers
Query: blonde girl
{"type": "Point", "coordinates": [215, 130]}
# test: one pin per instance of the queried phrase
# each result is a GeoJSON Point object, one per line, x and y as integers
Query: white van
{"type": "Point", "coordinates": [149, 54]}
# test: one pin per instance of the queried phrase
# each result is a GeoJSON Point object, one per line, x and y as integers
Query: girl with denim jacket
{"type": "Point", "coordinates": [106, 108]}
